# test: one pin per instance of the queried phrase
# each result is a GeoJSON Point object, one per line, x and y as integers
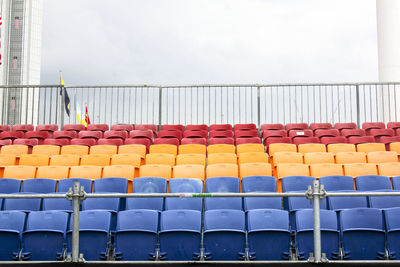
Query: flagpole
{"type": "Point", "coordinates": [62, 102]}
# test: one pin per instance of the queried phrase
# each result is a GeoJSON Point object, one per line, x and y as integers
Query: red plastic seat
{"type": "Point", "coordinates": [23, 127]}
{"type": "Point", "coordinates": [333, 140]}
{"type": "Point", "coordinates": [122, 127]}
{"type": "Point", "coordinates": [300, 133]}
{"type": "Point", "coordinates": [170, 134]}
{"type": "Point", "coordinates": [246, 134]}
{"type": "Point", "coordinates": [11, 135]}
{"type": "Point", "coordinates": [276, 126]}
{"type": "Point", "coordinates": [149, 134]}
{"type": "Point", "coordinates": [84, 142]}
{"type": "Point", "coordinates": [138, 141]}
{"type": "Point", "coordinates": [296, 126]}
{"type": "Point", "coordinates": [277, 140]}
{"type": "Point", "coordinates": [27, 142]}
{"type": "Point", "coordinates": [352, 132]}
{"type": "Point", "coordinates": [274, 133]}
{"type": "Point", "coordinates": [5, 142]}
{"type": "Point", "coordinates": [379, 133]}
{"type": "Point", "coordinates": [360, 139]}
{"type": "Point", "coordinates": [39, 135]}
{"type": "Point", "coordinates": [393, 125]}
{"type": "Point", "coordinates": [244, 127]}
{"type": "Point", "coordinates": [177, 127]}
{"type": "Point", "coordinates": [57, 142]}
{"type": "Point", "coordinates": [73, 127]}
{"type": "Point", "coordinates": [198, 127]}
{"type": "Point", "coordinates": [345, 125]}
{"type": "Point", "coordinates": [318, 126]}
{"type": "Point", "coordinates": [97, 127]}
{"type": "Point", "coordinates": [152, 127]}
{"type": "Point", "coordinates": [389, 139]}
{"type": "Point", "coordinates": [220, 127]}
{"type": "Point", "coordinates": [166, 141]}
{"type": "Point", "coordinates": [116, 135]}
{"type": "Point", "coordinates": [368, 126]}
{"type": "Point", "coordinates": [326, 132]}
{"type": "Point", "coordinates": [195, 134]}
{"type": "Point", "coordinates": [90, 134]}
{"type": "Point", "coordinates": [112, 141]}
{"type": "Point", "coordinates": [65, 135]}
{"type": "Point", "coordinates": [198, 141]}
{"type": "Point", "coordinates": [223, 140]}
{"type": "Point", "coordinates": [5, 128]}
{"type": "Point", "coordinates": [222, 133]}
{"type": "Point", "coordinates": [249, 140]}
{"type": "Point", "coordinates": [305, 140]}
{"type": "Point", "coordinates": [47, 127]}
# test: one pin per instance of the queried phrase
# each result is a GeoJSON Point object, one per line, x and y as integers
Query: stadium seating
{"type": "Point", "coordinates": [255, 169]}
{"type": "Point", "coordinates": [252, 157]}
{"type": "Point", "coordinates": [325, 169]}
{"type": "Point", "coordinates": [337, 182]}
{"type": "Point", "coordinates": [12, 225]}
{"type": "Point", "coordinates": [184, 159]}
{"type": "Point", "coordinates": [319, 157]}
{"type": "Point", "coordinates": [185, 186]}
{"type": "Point", "coordinates": [192, 149]}
{"type": "Point", "coordinates": [68, 160]}
{"type": "Point", "coordinates": [309, 148]}
{"type": "Point", "coordinates": [392, 222]}
{"type": "Point", "coordinates": [222, 170]}
{"type": "Point", "coordinates": [372, 182]}
{"type": "Point", "coordinates": [347, 202]}
{"type": "Point", "coordinates": [22, 204]}
{"type": "Point", "coordinates": [49, 150]}
{"type": "Point", "coordinates": [223, 185]}
{"type": "Point", "coordinates": [65, 184]}
{"type": "Point", "coordinates": [122, 127]}
{"type": "Point", "coordinates": [384, 202]}
{"type": "Point", "coordinates": [147, 185]}
{"type": "Point", "coordinates": [39, 185]}
{"type": "Point", "coordinates": [389, 169]}
{"type": "Point", "coordinates": [189, 171]}
{"type": "Point", "coordinates": [253, 184]}
{"type": "Point", "coordinates": [8, 186]}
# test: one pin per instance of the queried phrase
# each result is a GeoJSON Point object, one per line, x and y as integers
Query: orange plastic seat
{"type": "Point", "coordinates": [253, 157]}
{"type": "Point", "coordinates": [216, 158]}
{"type": "Point", "coordinates": [160, 158]}
{"type": "Point", "coordinates": [53, 172]}
{"type": "Point", "coordinates": [16, 150]}
{"type": "Point", "coordinates": [371, 147]}
{"type": "Point", "coordinates": [382, 156]}
{"type": "Point", "coordinates": [75, 149]}
{"type": "Point", "coordinates": [220, 148]}
{"type": "Point", "coordinates": [318, 158]}
{"type": "Point", "coordinates": [20, 172]}
{"type": "Point", "coordinates": [191, 159]}
{"type": "Point", "coordinates": [255, 169]}
{"type": "Point", "coordinates": [358, 169]}
{"type": "Point", "coordinates": [6, 160]}
{"type": "Point", "coordinates": [222, 169]}
{"type": "Point", "coordinates": [34, 160]}
{"type": "Point", "coordinates": [245, 148]}
{"type": "Point", "coordinates": [325, 169]}
{"type": "Point", "coordinates": [87, 172]}
{"type": "Point", "coordinates": [192, 149]}
{"type": "Point", "coordinates": [156, 170]}
{"type": "Point", "coordinates": [133, 149]}
{"type": "Point", "coordinates": [49, 150]}
{"type": "Point", "coordinates": [95, 160]}
{"type": "Point", "coordinates": [123, 171]}
{"type": "Point", "coordinates": [273, 148]}
{"type": "Point", "coordinates": [65, 160]}
{"type": "Point", "coordinates": [292, 169]}
{"type": "Point", "coordinates": [287, 157]}
{"type": "Point", "coordinates": [351, 157]}
{"type": "Point", "coordinates": [104, 149]}
{"type": "Point", "coordinates": [126, 159]}
{"type": "Point", "coordinates": [335, 148]}
{"type": "Point", "coordinates": [389, 169]}
{"type": "Point", "coordinates": [309, 148]}
{"type": "Point", "coordinates": [189, 171]}
{"type": "Point", "coordinates": [169, 149]}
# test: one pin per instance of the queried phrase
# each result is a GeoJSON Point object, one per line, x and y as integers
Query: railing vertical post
{"type": "Point", "coordinates": [258, 106]}
{"type": "Point", "coordinates": [317, 222]}
{"type": "Point", "coordinates": [358, 105]}
{"type": "Point", "coordinates": [160, 106]}
{"type": "Point", "coordinates": [75, 221]}
{"type": "Point", "coordinates": [62, 106]}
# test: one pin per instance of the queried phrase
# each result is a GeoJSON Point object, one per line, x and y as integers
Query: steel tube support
{"type": "Point", "coordinates": [317, 222]}
{"type": "Point", "coordinates": [62, 106]}
{"type": "Point", "coordinates": [75, 221]}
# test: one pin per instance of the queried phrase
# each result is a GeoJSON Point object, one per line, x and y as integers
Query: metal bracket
{"type": "Point", "coordinates": [322, 192]}
{"type": "Point", "coordinates": [82, 194]}
{"type": "Point", "coordinates": [309, 193]}
{"type": "Point", "coordinates": [69, 258]}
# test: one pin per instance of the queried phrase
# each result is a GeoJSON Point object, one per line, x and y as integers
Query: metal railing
{"type": "Point", "coordinates": [315, 193]}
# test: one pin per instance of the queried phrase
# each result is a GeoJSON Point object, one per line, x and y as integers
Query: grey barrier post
{"type": "Point", "coordinates": [75, 221]}
{"type": "Point", "coordinates": [317, 221]}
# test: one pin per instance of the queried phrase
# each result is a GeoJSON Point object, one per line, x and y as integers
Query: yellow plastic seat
{"type": "Point", "coordinates": [358, 169]}
{"type": "Point", "coordinates": [104, 149]}
{"type": "Point", "coordinates": [318, 158]}
{"type": "Point", "coordinates": [335, 148]}
{"type": "Point", "coordinates": [169, 149]}
{"type": "Point", "coordinates": [253, 157]}
{"type": "Point", "coordinates": [34, 160]}
{"type": "Point", "coordinates": [95, 160]}
{"type": "Point", "coordinates": [16, 150]}
{"type": "Point", "coordinates": [122, 171]}
{"type": "Point", "coordinates": [133, 149]}
{"type": "Point", "coordinates": [382, 156]}
{"type": "Point", "coordinates": [160, 158]}
{"type": "Point", "coordinates": [189, 171]}
{"type": "Point", "coordinates": [216, 158]}
{"type": "Point", "coordinates": [222, 169]}
{"type": "Point", "coordinates": [371, 147]}
{"type": "Point", "coordinates": [292, 169]}
{"type": "Point", "coordinates": [49, 150]}
{"type": "Point", "coordinates": [156, 170]}
{"type": "Point", "coordinates": [53, 172]}
{"type": "Point", "coordinates": [126, 159]}
{"type": "Point", "coordinates": [351, 157]}
{"type": "Point", "coordinates": [191, 159]}
{"type": "Point", "coordinates": [273, 148]}
{"type": "Point", "coordinates": [245, 148]}
{"type": "Point", "coordinates": [255, 169]}
{"type": "Point", "coordinates": [75, 150]}
{"type": "Point", "coordinates": [20, 172]}
{"type": "Point", "coordinates": [220, 148]}
{"type": "Point", "coordinates": [287, 157]}
{"type": "Point", "coordinates": [310, 148]}
{"type": "Point", "coordinates": [65, 160]}
{"type": "Point", "coordinates": [87, 172]}
{"type": "Point", "coordinates": [325, 169]}
{"type": "Point", "coordinates": [389, 169]}
{"type": "Point", "coordinates": [192, 149]}
{"type": "Point", "coordinates": [6, 160]}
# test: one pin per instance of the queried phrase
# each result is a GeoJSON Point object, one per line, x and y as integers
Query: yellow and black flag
{"type": "Point", "coordinates": [67, 100]}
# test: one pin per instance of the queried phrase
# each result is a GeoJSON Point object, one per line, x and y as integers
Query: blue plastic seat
{"type": "Point", "coordinates": [268, 234]}
{"type": "Point", "coordinates": [305, 234]}
{"type": "Point", "coordinates": [111, 184]}
{"type": "Point", "coordinates": [251, 184]}
{"type": "Point", "coordinates": [22, 204]}
{"type": "Point", "coordinates": [39, 185]}
{"type": "Point", "coordinates": [363, 235]}
{"type": "Point", "coordinates": [396, 183]}
{"type": "Point", "coordinates": [65, 184]}
{"type": "Point", "coordinates": [44, 236]}
{"type": "Point", "coordinates": [183, 185]}
{"type": "Point", "coordinates": [296, 183]}
{"type": "Point", "coordinates": [94, 233]}
{"type": "Point", "coordinates": [373, 182]}
{"type": "Point", "coordinates": [337, 182]}
{"type": "Point", "coordinates": [8, 186]}
{"type": "Point", "coordinates": [147, 185]}
{"type": "Point", "coordinates": [223, 185]}
{"type": "Point", "coordinates": [11, 227]}
{"type": "Point", "coordinates": [340, 203]}
{"type": "Point", "coordinates": [224, 235]}
{"type": "Point", "coordinates": [136, 235]}
{"type": "Point", "coordinates": [392, 220]}
{"type": "Point", "coordinates": [384, 202]}
{"type": "Point", "coordinates": [180, 235]}
{"type": "Point", "coordinates": [60, 204]}
{"type": "Point", "coordinates": [108, 204]}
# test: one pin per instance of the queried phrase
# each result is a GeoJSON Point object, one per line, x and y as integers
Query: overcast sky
{"type": "Point", "coordinates": [209, 41]}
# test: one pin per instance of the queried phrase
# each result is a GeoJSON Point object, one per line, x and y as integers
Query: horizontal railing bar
{"type": "Point", "coordinates": [29, 86]}
{"type": "Point", "coordinates": [358, 194]}
{"type": "Point", "coordinates": [33, 196]}
{"type": "Point", "coordinates": [189, 195]}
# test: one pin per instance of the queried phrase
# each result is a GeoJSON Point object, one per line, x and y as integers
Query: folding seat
{"type": "Point", "coordinates": [250, 140]}
{"type": "Point", "coordinates": [96, 135]}
{"type": "Point", "coordinates": [246, 134]}
{"type": "Point", "coordinates": [326, 133]}
{"type": "Point", "coordinates": [256, 184]}
{"type": "Point", "coordinates": [184, 159]}
{"type": "Point", "coordinates": [122, 127]}
{"type": "Point", "coordinates": [353, 132]}
{"type": "Point", "coordinates": [9, 186]}
{"type": "Point", "coordinates": [281, 148]}
{"type": "Point", "coordinates": [347, 202]}
{"type": "Point", "coordinates": [97, 127]}
{"type": "Point", "coordinates": [83, 142]}
{"type": "Point", "coordinates": [184, 186]}
{"type": "Point", "coordinates": [155, 170]}
{"type": "Point", "coordinates": [363, 234]}
{"type": "Point", "coordinates": [126, 159]}
{"type": "Point", "coordinates": [39, 135]}
{"type": "Point", "coordinates": [194, 141]}
{"type": "Point", "coordinates": [397, 132]}
{"type": "Point", "coordinates": [11, 227]}
{"type": "Point", "coordinates": [196, 127]}
{"type": "Point", "coordinates": [244, 148]}
{"type": "Point", "coordinates": [216, 158]}
{"type": "Point", "coordinates": [388, 140]}
{"type": "Point", "coordinates": [94, 234]}
{"type": "Point", "coordinates": [319, 157]}
{"type": "Point", "coordinates": [320, 126]}
{"type": "Point", "coordinates": [166, 141]}
{"type": "Point", "coordinates": [169, 149]}
{"type": "Point", "coordinates": [351, 157]}
{"type": "Point", "coordinates": [223, 185]}
{"type": "Point", "coordinates": [267, 226]}
{"type": "Point", "coordinates": [393, 125]}
{"type": "Point", "coordinates": [112, 205]}
{"type": "Point", "coordinates": [224, 235]}
{"type": "Point", "coordinates": [23, 127]}
{"type": "Point", "coordinates": [296, 183]}
{"type": "Point", "coordinates": [4, 128]}
{"type": "Point", "coordinates": [65, 160]}
{"type": "Point", "coordinates": [103, 149]}
{"type": "Point", "coordinates": [160, 158]}
{"type": "Point", "coordinates": [305, 140]}
{"type": "Point", "coordinates": [34, 160]}
{"type": "Point", "coordinates": [358, 169]}
{"type": "Point", "coordinates": [221, 134]}
{"type": "Point", "coordinates": [384, 202]}
{"type": "Point", "coordinates": [296, 126]}
{"type": "Point", "coordinates": [255, 169]}
{"type": "Point", "coordinates": [133, 149]}
{"type": "Point", "coordinates": [345, 125]}
{"type": "Point", "coordinates": [16, 150]}
{"type": "Point", "coordinates": [26, 142]}
{"type": "Point", "coordinates": [379, 133]}
{"type": "Point", "coordinates": [372, 182]}
{"type": "Point", "coordinates": [325, 169]}
{"type": "Point", "coordinates": [292, 169]}
{"type": "Point", "coordinates": [329, 234]}
{"type": "Point", "coordinates": [139, 141]}
{"type": "Point", "coordinates": [136, 235]}
{"type": "Point", "coordinates": [44, 235]}
{"type": "Point", "coordinates": [371, 147]}
{"type": "Point", "coordinates": [360, 140]}
{"type": "Point", "coordinates": [65, 135]}
{"type": "Point", "coordinates": [192, 149]}
{"type": "Point", "coordinates": [220, 127]}
{"type": "Point", "coordinates": [95, 160]}
{"type": "Point", "coordinates": [151, 127]}
{"type": "Point", "coordinates": [253, 157]}
{"type": "Point", "coordinates": [189, 171]}
{"type": "Point", "coordinates": [49, 150]}
{"type": "Point", "coordinates": [6, 160]}
{"type": "Point", "coordinates": [22, 204]}
{"type": "Point", "coordinates": [116, 135]}
{"type": "Point", "coordinates": [73, 127]}
{"type": "Point", "coordinates": [368, 126]}
{"type": "Point", "coordinates": [287, 157]}
{"type": "Point", "coordinates": [337, 182]}
{"type": "Point", "coordinates": [75, 150]}
{"type": "Point", "coordinates": [65, 184]}
{"type": "Point", "coordinates": [170, 134]}
{"type": "Point", "coordinates": [6, 142]}
{"type": "Point", "coordinates": [392, 221]}
{"type": "Point", "coordinates": [222, 169]}
{"type": "Point", "coordinates": [300, 133]}
{"type": "Point", "coordinates": [19, 172]}
{"type": "Point", "coordinates": [244, 127]}
{"type": "Point", "coordinates": [276, 126]}
{"type": "Point", "coordinates": [39, 185]}
{"type": "Point", "coordinates": [147, 134]}
{"type": "Point", "coordinates": [53, 172]}
{"type": "Point", "coordinates": [336, 148]}
{"type": "Point", "coordinates": [195, 134]}
{"type": "Point", "coordinates": [221, 148]}
{"type": "Point", "coordinates": [309, 148]}
{"type": "Point", "coordinates": [12, 135]}
{"type": "Point", "coordinates": [389, 169]}
{"type": "Point", "coordinates": [333, 140]}
{"type": "Point", "coordinates": [177, 127]}
{"type": "Point", "coordinates": [57, 204]}
{"type": "Point", "coordinates": [122, 171]}
{"type": "Point", "coordinates": [218, 141]}
{"type": "Point", "coordinates": [272, 133]}
{"type": "Point", "coordinates": [87, 172]}
{"type": "Point", "coordinates": [382, 156]}
{"type": "Point", "coordinates": [395, 146]}
{"type": "Point", "coordinates": [147, 185]}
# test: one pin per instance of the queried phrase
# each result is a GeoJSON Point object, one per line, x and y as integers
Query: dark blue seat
{"type": "Point", "coordinates": [305, 234]}
{"type": "Point", "coordinates": [147, 185]}
{"type": "Point", "coordinates": [39, 185]}
{"type": "Point", "coordinates": [363, 235]}
{"type": "Point", "coordinates": [337, 182]}
{"type": "Point", "coordinates": [224, 235]}
{"type": "Point", "coordinates": [111, 184]}
{"type": "Point", "coordinates": [296, 183]}
{"type": "Point", "coordinates": [223, 185]}
{"type": "Point", "coordinates": [8, 186]}
{"type": "Point", "coordinates": [44, 236]}
{"type": "Point", "coordinates": [11, 227]}
{"type": "Point", "coordinates": [180, 235]}
{"type": "Point", "coordinates": [268, 234]}
{"type": "Point", "coordinates": [108, 204]}
{"type": "Point", "coordinates": [252, 184]}
{"type": "Point", "coordinates": [396, 183]}
{"type": "Point", "coordinates": [60, 204]}
{"type": "Point", "coordinates": [22, 204]}
{"type": "Point", "coordinates": [136, 235]}
{"type": "Point", "coordinates": [94, 233]}
{"type": "Point", "coordinates": [340, 203]}
{"type": "Point", "coordinates": [65, 184]}
{"type": "Point", "coordinates": [392, 220]}
{"type": "Point", "coordinates": [183, 185]}
{"type": "Point", "coordinates": [384, 202]}
{"type": "Point", "coordinates": [373, 182]}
